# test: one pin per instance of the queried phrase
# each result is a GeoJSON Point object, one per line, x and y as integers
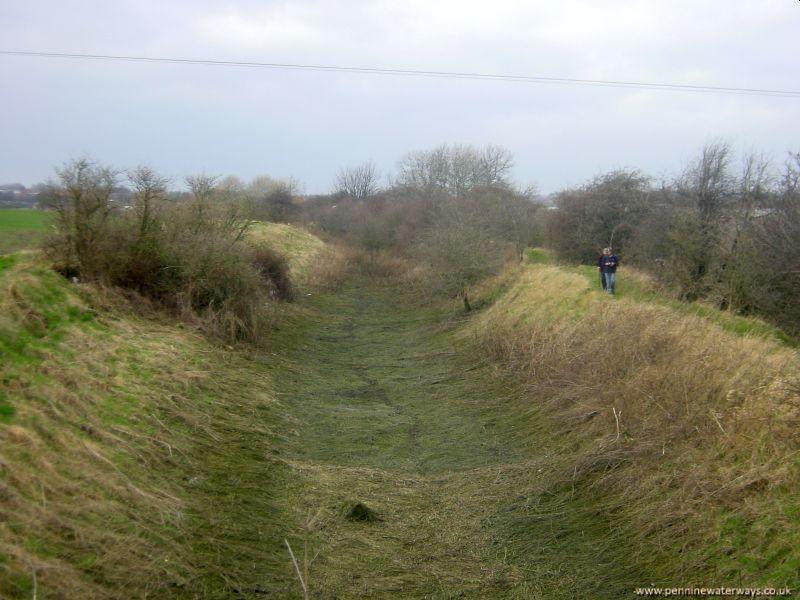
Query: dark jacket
{"type": "Point", "coordinates": [608, 264]}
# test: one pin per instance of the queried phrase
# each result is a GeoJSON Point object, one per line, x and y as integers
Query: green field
{"type": "Point", "coordinates": [22, 228]}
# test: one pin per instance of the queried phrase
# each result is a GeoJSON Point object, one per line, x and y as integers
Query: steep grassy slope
{"type": "Point", "coordinates": [134, 455]}
{"type": "Point", "coordinates": [638, 286]}
{"type": "Point", "coordinates": [678, 434]}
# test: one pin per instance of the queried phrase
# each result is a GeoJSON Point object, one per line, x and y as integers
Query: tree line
{"type": "Point", "coordinates": [453, 211]}
{"type": "Point", "coordinates": [721, 231]}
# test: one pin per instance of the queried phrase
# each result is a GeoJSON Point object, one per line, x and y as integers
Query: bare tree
{"type": "Point", "coordinates": [709, 188]}
{"type": "Point", "coordinates": [464, 170]}
{"type": "Point", "coordinates": [82, 202]}
{"type": "Point", "coordinates": [494, 164]}
{"type": "Point", "coordinates": [357, 182]}
{"type": "Point", "coordinates": [264, 185]}
{"type": "Point", "coordinates": [791, 175]}
{"type": "Point", "coordinates": [460, 250]}
{"type": "Point", "coordinates": [777, 262]}
{"type": "Point", "coordinates": [425, 170]}
{"type": "Point", "coordinates": [149, 190]}
{"type": "Point", "coordinates": [273, 199]}
{"type": "Point", "coordinates": [231, 184]}
{"type": "Point", "coordinates": [736, 276]}
{"type": "Point", "coordinates": [202, 186]}
{"type": "Point", "coordinates": [456, 170]}
{"type": "Point", "coordinates": [709, 182]}
{"type": "Point", "coordinates": [603, 212]}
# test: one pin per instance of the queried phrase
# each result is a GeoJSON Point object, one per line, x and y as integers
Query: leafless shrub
{"type": "Point", "coordinates": [456, 170]}
{"type": "Point", "coordinates": [460, 252]}
{"type": "Point", "coordinates": [357, 182]}
{"type": "Point", "coordinates": [81, 200]}
{"type": "Point", "coordinates": [274, 270]}
{"type": "Point", "coordinates": [188, 256]}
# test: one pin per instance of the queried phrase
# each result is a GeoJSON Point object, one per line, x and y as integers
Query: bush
{"type": "Point", "coordinates": [82, 206]}
{"type": "Point", "coordinates": [460, 249]}
{"type": "Point", "coordinates": [274, 271]}
{"type": "Point", "coordinates": [188, 256]}
{"type": "Point", "coordinates": [604, 212]}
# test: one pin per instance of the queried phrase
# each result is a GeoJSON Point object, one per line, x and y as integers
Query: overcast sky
{"type": "Point", "coordinates": [186, 119]}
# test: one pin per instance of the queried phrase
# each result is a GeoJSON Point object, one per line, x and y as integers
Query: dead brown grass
{"type": "Point", "coordinates": [383, 264]}
{"type": "Point", "coordinates": [330, 267]}
{"type": "Point", "coordinates": [675, 422]}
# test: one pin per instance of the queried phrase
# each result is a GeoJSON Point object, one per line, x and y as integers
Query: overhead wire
{"type": "Point", "coordinates": [674, 87]}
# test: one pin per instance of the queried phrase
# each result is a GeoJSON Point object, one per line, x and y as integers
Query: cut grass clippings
{"type": "Point", "coordinates": [401, 450]}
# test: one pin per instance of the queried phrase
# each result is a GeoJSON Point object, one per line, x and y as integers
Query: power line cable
{"type": "Point", "coordinates": [675, 87]}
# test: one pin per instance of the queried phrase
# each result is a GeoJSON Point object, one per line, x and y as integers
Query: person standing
{"type": "Point", "coordinates": [600, 268]}
{"type": "Point", "coordinates": [608, 268]}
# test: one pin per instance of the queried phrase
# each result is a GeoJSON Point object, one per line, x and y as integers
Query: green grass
{"type": "Point", "coordinates": [363, 395]}
{"type": "Point", "coordinates": [46, 310]}
{"type": "Point", "coordinates": [6, 262]}
{"type": "Point", "coordinates": [6, 410]}
{"type": "Point", "coordinates": [23, 219]}
{"type": "Point", "coordinates": [22, 228]}
{"type": "Point", "coordinates": [635, 288]}
{"type": "Point", "coordinates": [299, 246]}
{"type": "Point", "coordinates": [368, 369]}
{"type": "Point", "coordinates": [138, 452]}
{"type": "Point", "coordinates": [394, 407]}
{"type": "Point", "coordinates": [48, 307]}
{"type": "Point", "coordinates": [538, 256]}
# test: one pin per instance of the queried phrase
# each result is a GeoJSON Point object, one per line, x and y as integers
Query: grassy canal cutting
{"type": "Point", "coordinates": [395, 417]}
{"type": "Point", "coordinates": [133, 444]}
{"type": "Point", "coordinates": [399, 448]}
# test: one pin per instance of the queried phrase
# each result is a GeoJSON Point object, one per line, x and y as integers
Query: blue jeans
{"type": "Point", "coordinates": [610, 279]}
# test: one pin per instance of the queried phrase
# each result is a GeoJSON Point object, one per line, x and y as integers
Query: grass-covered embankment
{"type": "Point", "coordinates": [676, 435]}
{"type": "Point", "coordinates": [556, 443]}
{"type": "Point", "coordinates": [136, 455]}
{"type": "Point", "coordinates": [142, 460]}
